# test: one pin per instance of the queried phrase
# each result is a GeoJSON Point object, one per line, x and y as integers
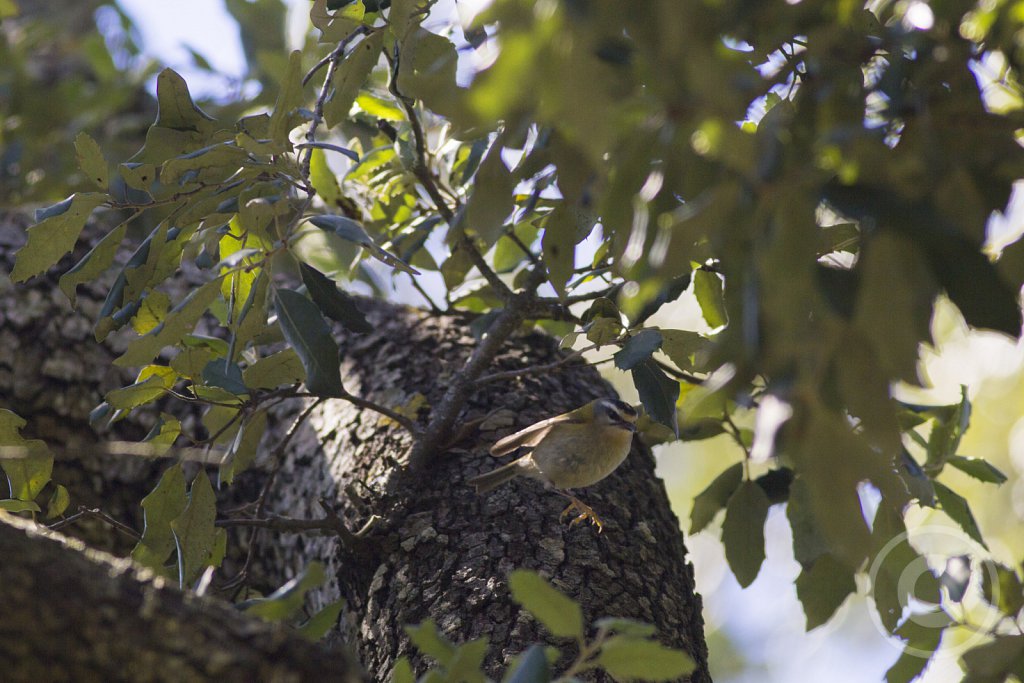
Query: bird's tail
{"type": "Point", "coordinates": [495, 478]}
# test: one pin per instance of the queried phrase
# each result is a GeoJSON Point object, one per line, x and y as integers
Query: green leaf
{"type": "Point", "coordinates": [743, 531]}
{"type": "Point", "coordinates": [90, 160]}
{"type": "Point", "coordinates": [714, 498]}
{"type": "Point", "coordinates": [427, 68]}
{"type": "Point", "coordinates": [318, 625]}
{"type": "Point", "coordinates": [288, 599]}
{"type": "Point", "coordinates": [638, 348]}
{"type": "Point", "coordinates": [15, 505]}
{"type": "Point", "coordinates": [270, 372]}
{"type": "Point", "coordinates": [681, 346]}
{"type": "Point", "coordinates": [808, 542]}
{"type": "Point", "coordinates": [29, 467]}
{"type": "Point", "coordinates": [492, 200]}
{"type": "Point", "coordinates": [334, 27]}
{"type": "Point", "coordinates": [995, 661]}
{"type": "Point", "coordinates": [1002, 587]}
{"type": "Point", "coordinates": [55, 235]}
{"type": "Point", "coordinates": [288, 99]}
{"type": "Point", "coordinates": [59, 502]}
{"type": "Point", "coordinates": [923, 633]}
{"type": "Point", "coordinates": [322, 177]}
{"type": "Point", "coordinates": [948, 429]}
{"type": "Point", "coordinates": [465, 665]}
{"type": "Point", "coordinates": [176, 325]}
{"type": "Point", "coordinates": [603, 331]}
{"type": "Point", "coordinates": [138, 176]}
{"type": "Point", "coordinates": [626, 627]}
{"type": "Point", "coordinates": [220, 372]}
{"type": "Point", "coordinates": [508, 254]}
{"type": "Point", "coordinates": [379, 107]}
{"type": "Point", "coordinates": [308, 333]}
{"type": "Point", "coordinates": [823, 588]}
{"type": "Point", "coordinates": [333, 303]}
{"type": "Point", "coordinates": [899, 574]}
{"type": "Point", "coordinates": [428, 639]}
{"type": "Point", "coordinates": [350, 76]}
{"type": "Point", "coordinates": [162, 505]}
{"type": "Point", "coordinates": [180, 125]}
{"type": "Point", "coordinates": [658, 393]}
{"type": "Point", "coordinates": [164, 433]}
{"type": "Point", "coordinates": [979, 468]}
{"type": "Point", "coordinates": [194, 530]}
{"type": "Point", "coordinates": [403, 672]}
{"type": "Point", "coordinates": [707, 286]}
{"type": "Point", "coordinates": [959, 511]}
{"type": "Point", "coordinates": [352, 231]}
{"type": "Point", "coordinates": [559, 245]}
{"type": "Point", "coordinates": [140, 393]}
{"type": "Point", "coordinates": [97, 260]}
{"type": "Point", "coordinates": [627, 658]}
{"type": "Point", "coordinates": [531, 667]}
{"type": "Point", "coordinates": [560, 614]}
{"type": "Point", "coordinates": [245, 446]}
{"type": "Point", "coordinates": [176, 109]}
{"type": "Point", "coordinates": [210, 164]}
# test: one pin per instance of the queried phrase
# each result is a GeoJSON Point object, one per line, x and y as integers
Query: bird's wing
{"type": "Point", "coordinates": [531, 436]}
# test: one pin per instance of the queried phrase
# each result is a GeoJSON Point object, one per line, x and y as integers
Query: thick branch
{"type": "Point", "coordinates": [130, 625]}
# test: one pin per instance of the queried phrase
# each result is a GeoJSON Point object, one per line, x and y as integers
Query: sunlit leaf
{"type": "Point", "coordinates": [558, 613]}
{"type": "Point", "coordinates": [55, 235]}
{"type": "Point", "coordinates": [90, 160]}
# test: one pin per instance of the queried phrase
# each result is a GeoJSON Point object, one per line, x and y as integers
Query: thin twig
{"type": "Point", "coordinates": [102, 516]}
{"type": "Point", "coordinates": [278, 458]}
{"type": "Point", "coordinates": [421, 169]}
{"type": "Point", "coordinates": [345, 151]}
{"type": "Point", "coordinates": [331, 523]}
{"type": "Point", "coordinates": [434, 308]}
{"type": "Point", "coordinates": [406, 422]}
{"type": "Point", "coordinates": [362, 30]}
{"type": "Point", "coordinates": [463, 382]}
{"type": "Point", "coordinates": [536, 369]}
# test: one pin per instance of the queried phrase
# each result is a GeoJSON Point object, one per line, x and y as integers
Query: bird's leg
{"type": "Point", "coordinates": [586, 513]}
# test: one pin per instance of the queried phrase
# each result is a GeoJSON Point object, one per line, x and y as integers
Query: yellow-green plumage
{"type": "Point", "coordinates": [574, 450]}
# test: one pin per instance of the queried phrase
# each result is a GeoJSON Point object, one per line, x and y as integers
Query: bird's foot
{"type": "Point", "coordinates": [586, 513]}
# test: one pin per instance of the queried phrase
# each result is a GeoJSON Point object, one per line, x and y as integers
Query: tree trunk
{"type": "Point", "coordinates": [437, 550]}
{"type": "Point", "coordinates": [440, 551]}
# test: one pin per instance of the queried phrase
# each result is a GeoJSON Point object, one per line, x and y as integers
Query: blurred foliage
{"type": "Point", "coordinates": [815, 174]}
{"type": "Point", "coordinates": [623, 648]}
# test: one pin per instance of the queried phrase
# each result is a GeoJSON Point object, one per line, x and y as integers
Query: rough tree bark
{"type": "Point", "coordinates": [69, 614]}
{"type": "Point", "coordinates": [438, 550]}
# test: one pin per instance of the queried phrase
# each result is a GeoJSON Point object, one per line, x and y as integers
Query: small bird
{"type": "Point", "coordinates": [568, 451]}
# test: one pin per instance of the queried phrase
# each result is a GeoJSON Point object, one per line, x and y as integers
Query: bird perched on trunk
{"type": "Point", "coordinates": [568, 451]}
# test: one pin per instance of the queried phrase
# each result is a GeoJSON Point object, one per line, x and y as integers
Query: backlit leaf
{"type": "Point", "coordinates": [714, 498]}
{"type": "Point", "coordinates": [90, 160]}
{"type": "Point", "coordinates": [160, 507]}
{"type": "Point", "coordinates": [629, 658]}
{"type": "Point", "coordinates": [55, 235]}
{"type": "Point", "coordinates": [558, 613]}
{"type": "Point", "coordinates": [194, 531]}
{"type": "Point", "coordinates": [743, 531]}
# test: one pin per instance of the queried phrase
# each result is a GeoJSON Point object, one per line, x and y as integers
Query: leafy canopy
{"type": "Point", "coordinates": [815, 174]}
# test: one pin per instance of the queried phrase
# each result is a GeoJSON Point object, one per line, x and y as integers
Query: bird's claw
{"type": "Point", "coordinates": [586, 513]}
